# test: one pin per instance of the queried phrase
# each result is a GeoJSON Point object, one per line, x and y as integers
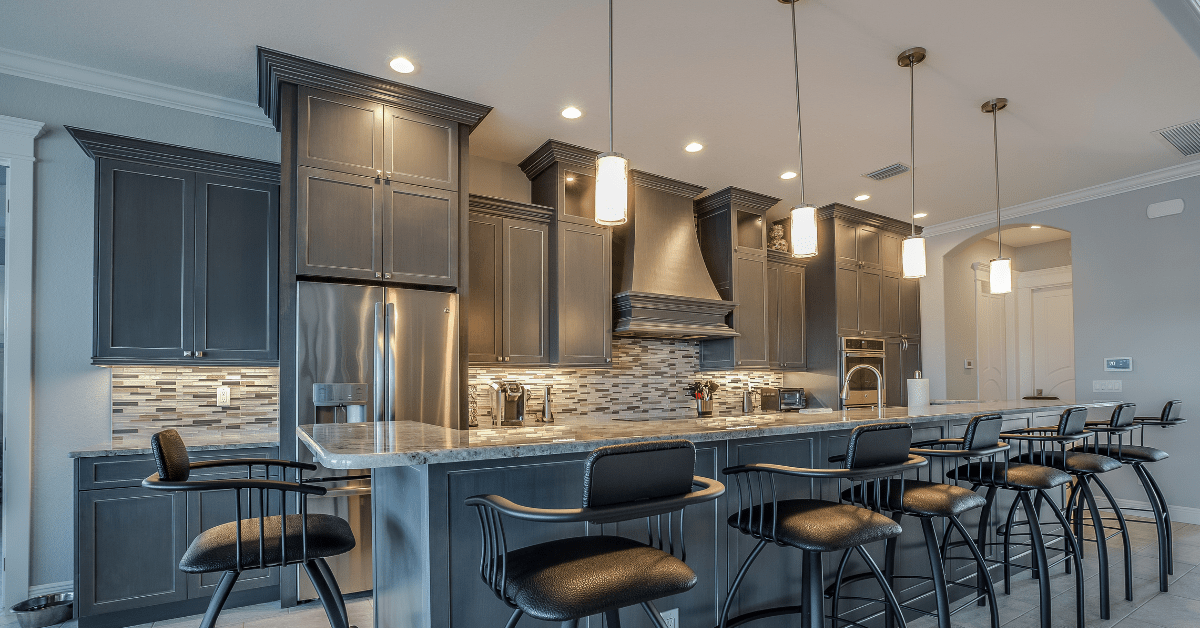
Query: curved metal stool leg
{"type": "Point", "coordinates": [327, 573]}
{"type": "Point", "coordinates": [985, 519]}
{"type": "Point", "coordinates": [326, 594]}
{"type": "Point", "coordinates": [937, 570]}
{"type": "Point", "coordinates": [224, 587]}
{"type": "Point", "coordinates": [837, 583]}
{"type": "Point", "coordinates": [737, 582]}
{"type": "Point", "coordinates": [1039, 557]}
{"type": "Point", "coordinates": [1124, 537]}
{"type": "Point", "coordinates": [655, 617]}
{"type": "Point", "coordinates": [612, 619]}
{"type": "Point", "coordinates": [1101, 546]}
{"type": "Point", "coordinates": [1156, 508]}
{"type": "Point", "coordinates": [887, 590]}
{"type": "Point", "coordinates": [1008, 525]}
{"type": "Point", "coordinates": [516, 617]}
{"type": "Point", "coordinates": [1074, 548]}
{"type": "Point", "coordinates": [812, 614]}
{"type": "Point", "coordinates": [1166, 521]}
{"type": "Point", "coordinates": [982, 571]}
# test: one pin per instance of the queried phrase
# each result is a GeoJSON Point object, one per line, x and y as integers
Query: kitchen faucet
{"type": "Point", "coordinates": [878, 385]}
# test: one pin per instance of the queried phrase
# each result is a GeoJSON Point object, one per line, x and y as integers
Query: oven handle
{"type": "Point", "coordinates": [864, 354]}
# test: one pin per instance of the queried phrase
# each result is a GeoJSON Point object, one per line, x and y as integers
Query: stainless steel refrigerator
{"type": "Point", "coordinates": [404, 346]}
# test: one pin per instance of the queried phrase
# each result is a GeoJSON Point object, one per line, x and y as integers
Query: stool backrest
{"type": "Point", "coordinates": [619, 474]}
{"type": "Point", "coordinates": [1123, 414]}
{"type": "Point", "coordinates": [878, 444]}
{"type": "Point", "coordinates": [983, 431]}
{"type": "Point", "coordinates": [171, 456]}
{"type": "Point", "coordinates": [1171, 410]}
{"type": "Point", "coordinates": [1072, 420]}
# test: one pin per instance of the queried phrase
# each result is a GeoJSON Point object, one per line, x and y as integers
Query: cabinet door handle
{"type": "Point", "coordinates": [387, 275]}
{"type": "Point", "coordinates": [199, 354]}
{"type": "Point", "coordinates": [187, 354]}
{"type": "Point", "coordinates": [379, 174]}
{"type": "Point", "coordinates": [378, 275]}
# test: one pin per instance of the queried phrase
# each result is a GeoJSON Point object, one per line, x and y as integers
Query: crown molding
{"type": "Point", "coordinates": [1112, 188]}
{"type": "Point", "coordinates": [742, 198]}
{"type": "Point", "coordinates": [554, 151]}
{"type": "Point", "coordinates": [505, 208]}
{"type": "Point", "coordinates": [862, 216]}
{"type": "Point", "coordinates": [16, 138]}
{"type": "Point", "coordinates": [132, 88]}
{"type": "Point", "coordinates": [665, 184]}
{"type": "Point", "coordinates": [99, 145]}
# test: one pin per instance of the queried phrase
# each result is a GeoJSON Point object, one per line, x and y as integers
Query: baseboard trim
{"type": "Point", "coordinates": [1179, 514]}
{"type": "Point", "coordinates": [51, 588]}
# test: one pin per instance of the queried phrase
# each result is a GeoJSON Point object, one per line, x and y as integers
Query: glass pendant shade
{"type": "Point", "coordinates": [612, 189]}
{"type": "Point", "coordinates": [804, 231]}
{"type": "Point", "coordinates": [913, 257]}
{"type": "Point", "coordinates": [1000, 276]}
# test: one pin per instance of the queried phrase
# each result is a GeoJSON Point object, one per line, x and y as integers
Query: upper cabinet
{"type": "Point", "coordinates": [186, 254]}
{"type": "Point", "coordinates": [377, 194]}
{"type": "Point", "coordinates": [787, 347]}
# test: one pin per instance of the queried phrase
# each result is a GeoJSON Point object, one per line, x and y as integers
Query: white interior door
{"type": "Point", "coordinates": [991, 345]}
{"type": "Point", "coordinates": [1053, 335]}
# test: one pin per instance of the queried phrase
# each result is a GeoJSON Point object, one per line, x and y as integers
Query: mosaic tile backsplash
{"type": "Point", "coordinates": [648, 376]}
{"type": "Point", "coordinates": [148, 399]}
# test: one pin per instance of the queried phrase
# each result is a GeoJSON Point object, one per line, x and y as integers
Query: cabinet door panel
{"type": "Point", "coordinates": [145, 259]}
{"type": "Point", "coordinates": [750, 316]}
{"type": "Point", "coordinates": [420, 235]}
{"type": "Point", "coordinates": [845, 242]}
{"type": "Point", "coordinates": [208, 509]}
{"type": "Point", "coordinates": [421, 149]}
{"type": "Point", "coordinates": [890, 305]}
{"type": "Point", "coordinates": [584, 316]}
{"type": "Point", "coordinates": [870, 291]}
{"type": "Point", "coordinates": [910, 307]}
{"type": "Point", "coordinates": [895, 382]}
{"type": "Point", "coordinates": [868, 246]}
{"type": "Point", "coordinates": [774, 329]}
{"type": "Point", "coordinates": [847, 301]}
{"type": "Point", "coordinates": [116, 525]}
{"type": "Point", "coordinates": [340, 133]}
{"type": "Point", "coordinates": [338, 224]}
{"type": "Point", "coordinates": [526, 283]}
{"type": "Point", "coordinates": [237, 260]}
{"type": "Point", "coordinates": [889, 252]}
{"type": "Point", "coordinates": [485, 314]}
{"type": "Point", "coordinates": [792, 340]}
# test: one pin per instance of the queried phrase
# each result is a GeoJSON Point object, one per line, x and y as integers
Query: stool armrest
{"type": "Point", "coordinates": [1153, 420]}
{"type": "Point", "coordinates": [153, 482]}
{"type": "Point", "coordinates": [253, 462]}
{"type": "Point", "coordinates": [709, 490]}
{"type": "Point", "coordinates": [1051, 439]}
{"type": "Point", "coordinates": [1108, 429]}
{"type": "Point", "coordinates": [866, 473]}
{"type": "Point", "coordinates": [959, 453]}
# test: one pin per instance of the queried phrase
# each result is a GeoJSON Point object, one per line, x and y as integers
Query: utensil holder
{"type": "Point", "coordinates": [704, 407]}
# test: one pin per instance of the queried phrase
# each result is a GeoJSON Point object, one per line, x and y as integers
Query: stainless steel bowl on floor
{"type": "Point", "coordinates": [45, 610]}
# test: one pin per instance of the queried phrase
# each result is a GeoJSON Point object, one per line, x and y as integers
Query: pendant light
{"type": "Point", "coordinates": [1000, 275]}
{"type": "Point", "coordinates": [804, 216]}
{"type": "Point", "coordinates": [913, 249]}
{"type": "Point", "coordinates": [612, 169]}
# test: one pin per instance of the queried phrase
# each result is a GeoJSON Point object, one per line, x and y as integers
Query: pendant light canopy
{"type": "Point", "coordinates": [1000, 274]}
{"type": "Point", "coordinates": [913, 250]}
{"type": "Point", "coordinates": [804, 216]}
{"type": "Point", "coordinates": [612, 169]}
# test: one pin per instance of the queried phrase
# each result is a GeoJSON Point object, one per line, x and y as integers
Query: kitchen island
{"type": "Point", "coordinates": [427, 542]}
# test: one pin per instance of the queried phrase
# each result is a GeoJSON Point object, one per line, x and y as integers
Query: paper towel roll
{"type": "Point", "coordinates": [918, 392]}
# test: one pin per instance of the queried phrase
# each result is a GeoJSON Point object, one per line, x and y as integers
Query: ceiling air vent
{"type": "Point", "coordinates": [1184, 137]}
{"type": "Point", "coordinates": [888, 172]}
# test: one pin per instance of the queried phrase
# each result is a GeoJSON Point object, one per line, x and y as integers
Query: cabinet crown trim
{"type": "Point", "coordinates": [785, 259]}
{"type": "Point", "coordinates": [505, 208]}
{"type": "Point", "coordinates": [666, 184]}
{"type": "Point", "coordinates": [554, 151]}
{"type": "Point", "coordinates": [99, 145]}
{"type": "Point", "coordinates": [731, 196]}
{"type": "Point", "coordinates": [275, 67]}
{"type": "Point", "coordinates": [853, 214]}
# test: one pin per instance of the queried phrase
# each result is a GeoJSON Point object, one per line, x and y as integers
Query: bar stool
{"type": "Point", "coordinates": [876, 453]}
{"type": "Point", "coordinates": [1137, 456]}
{"type": "Point", "coordinates": [1085, 468]}
{"type": "Point", "coordinates": [928, 500]}
{"type": "Point", "coordinates": [258, 542]}
{"type": "Point", "coordinates": [569, 579]}
{"type": "Point", "coordinates": [1026, 480]}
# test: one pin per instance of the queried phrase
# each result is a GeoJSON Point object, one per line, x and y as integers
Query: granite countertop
{"type": "Point", "coordinates": [405, 443]}
{"type": "Point", "coordinates": [196, 440]}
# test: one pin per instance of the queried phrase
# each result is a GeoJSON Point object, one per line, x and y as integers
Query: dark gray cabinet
{"type": "Point", "coordinates": [129, 540]}
{"type": "Point", "coordinates": [508, 304]}
{"type": "Point", "coordinates": [377, 195]}
{"type": "Point", "coordinates": [786, 340]}
{"type": "Point", "coordinates": [903, 361]}
{"type": "Point", "coordinates": [186, 254]}
{"type": "Point", "coordinates": [859, 299]}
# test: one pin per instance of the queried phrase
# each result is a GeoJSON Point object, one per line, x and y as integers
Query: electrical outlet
{"type": "Point", "coordinates": [222, 396]}
{"type": "Point", "coordinates": [968, 363]}
{"type": "Point", "coordinates": [671, 617]}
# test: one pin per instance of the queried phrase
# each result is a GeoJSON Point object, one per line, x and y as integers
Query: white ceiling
{"type": "Point", "coordinates": [1089, 81]}
{"type": "Point", "coordinates": [1027, 236]}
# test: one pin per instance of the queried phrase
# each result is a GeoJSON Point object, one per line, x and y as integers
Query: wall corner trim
{"type": "Point", "coordinates": [1112, 188]}
{"type": "Point", "coordinates": [100, 81]}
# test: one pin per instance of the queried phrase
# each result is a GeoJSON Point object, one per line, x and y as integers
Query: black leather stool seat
{"type": "Point", "coordinates": [215, 548]}
{"type": "Point", "coordinates": [1075, 461]}
{"type": "Point", "coordinates": [576, 577]}
{"type": "Point", "coordinates": [923, 499]}
{"type": "Point", "coordinates": [1127, 453]}
{"type": "Point", "coordinates": [819, 526]}
{"type": "Point", "coordinates": [1020, 476]}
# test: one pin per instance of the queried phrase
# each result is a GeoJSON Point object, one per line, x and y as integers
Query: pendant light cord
{"type": "Point", "coordinates": [610, 76]}
{"type": "Point", "coordinates": [799, 131]}
{"type": "Point", "coordinates": [912, 139]}
{"type": "Point", "coordinates": [996, 148]}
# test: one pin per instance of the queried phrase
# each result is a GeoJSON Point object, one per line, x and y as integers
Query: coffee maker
{"type": "Point", "coordinates": [511, 401]}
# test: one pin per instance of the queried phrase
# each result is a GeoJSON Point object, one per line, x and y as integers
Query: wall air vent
{"type": "Point", "coordinates": [888, 172]}
{"type": "Point", "coordinates": [1184, 137]}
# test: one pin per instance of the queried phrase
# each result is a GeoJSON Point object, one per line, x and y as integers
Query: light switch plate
{"type": "Point", "coordinates": [671, 617]}
{"type": "Point", "coordinates": [968, 363]}
{"type": "Point", "coordinates": [222, 396]}
{"type": "Point", "coordinates": [1106, 385]}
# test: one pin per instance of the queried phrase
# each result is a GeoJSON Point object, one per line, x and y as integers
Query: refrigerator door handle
{"type": "Point", "coordinates": [391, 361]}
{"type": "Point", "coordinates": [379, 365]}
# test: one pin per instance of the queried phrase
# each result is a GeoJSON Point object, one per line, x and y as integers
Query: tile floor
{"type": "Point", "coordinates": [1180, 608]}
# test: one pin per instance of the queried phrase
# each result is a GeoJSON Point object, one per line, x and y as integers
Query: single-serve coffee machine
{"type": "Point", "coordinates": [511, 401]}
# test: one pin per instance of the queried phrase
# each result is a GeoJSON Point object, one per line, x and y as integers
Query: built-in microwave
{"type": "Point", "coordinates": [864, 390]}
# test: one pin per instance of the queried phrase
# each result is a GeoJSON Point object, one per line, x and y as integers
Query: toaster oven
{"type": "Point", "coordinates": [791, 399]}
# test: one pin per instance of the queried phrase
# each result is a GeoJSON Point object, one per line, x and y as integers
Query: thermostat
{"type": "Point", "coordinates": [1118, 364]}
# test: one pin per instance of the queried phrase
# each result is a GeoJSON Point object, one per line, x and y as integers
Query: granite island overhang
{"type": "Point", "coordinates": [426, 545]}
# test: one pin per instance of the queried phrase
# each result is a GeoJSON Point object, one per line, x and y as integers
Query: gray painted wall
{"type": "Point", "coordinates": [1137, 293]}
{"type": "Point", "coordinates": [71, 397]}
{"type": "Point", "coordinates": [496, 178]}
{"type": "Point", "coordinates": [1044, 255]}
{"type": "Point", "coordinates": [961, 382]}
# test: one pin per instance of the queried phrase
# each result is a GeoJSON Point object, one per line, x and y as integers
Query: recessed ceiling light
{"type": "Point", "coordinates": [862, 197]}
{"type": "Point", "coordinates": [694, 147]}
{"type": "Point", "coordinates": [788, 175]}
{"type": "Point", "coordinates": [920, 215]}
{"type": "Point", "coordinates": [402, 65]}
{"type": "Point", "coordinates": [1035, 226]}
{"type": "Point", "coordinates": [571, 113]}
{"type": "Point", "coordinates": [570, 179]}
